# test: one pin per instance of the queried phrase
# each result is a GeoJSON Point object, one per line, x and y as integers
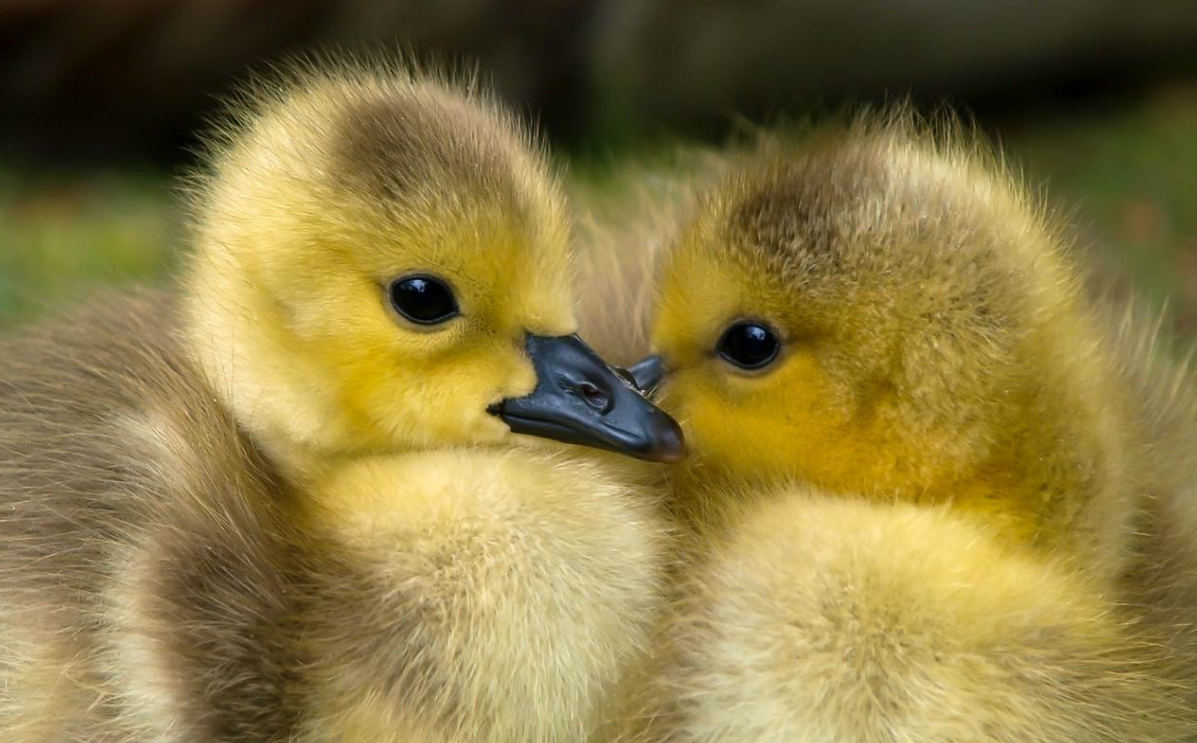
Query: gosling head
{"type": "Point", "coordinates": [870, 311]}
{"type": "Point", "coordinates": [381, 265]}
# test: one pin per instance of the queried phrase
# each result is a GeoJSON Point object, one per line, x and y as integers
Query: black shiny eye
{"type": "Point", "coordinates": [423, 299]}
{"type": "Point", "coordinates": [749, 345]}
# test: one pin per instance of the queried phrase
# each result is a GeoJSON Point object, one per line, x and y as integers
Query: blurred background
{"type": "Point", "coordinates": [1095, 99]}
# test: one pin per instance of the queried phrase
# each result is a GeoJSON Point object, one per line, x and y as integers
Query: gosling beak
{"type": "Point", "coordinates": [648, 373]}
{"type": "Point", "coordinates": [580, 399]}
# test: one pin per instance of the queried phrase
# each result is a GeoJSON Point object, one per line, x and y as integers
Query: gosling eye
{"type": "Point", "coordinates": [749, 345]}
{"type": "Point", "coordinates": [425, 300]}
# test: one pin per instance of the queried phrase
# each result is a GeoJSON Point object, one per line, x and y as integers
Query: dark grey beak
{"type": "Point", "coordinates": [648, 373]}
{"type": "Point", "coordinates": [580, 399]}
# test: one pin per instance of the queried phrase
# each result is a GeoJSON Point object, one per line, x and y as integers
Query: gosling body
{"type": "Point", "coordinates": [145, 569]}
{"type": "Point", "coordinates": [954, 505]}
{"type": "Point", "coordinates": [274, 507]}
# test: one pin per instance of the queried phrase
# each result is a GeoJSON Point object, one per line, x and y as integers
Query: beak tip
{"type": "Point", "coordinates": [668, 443]}
{"type": "Point", "coordinates": [671, 456]}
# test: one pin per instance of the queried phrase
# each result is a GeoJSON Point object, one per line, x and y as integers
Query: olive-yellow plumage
{"type": "Point", "coordinates": [277, 508]}
{"type": "Point", "coordinates": [933, 346]}
{"type": "Point", "coordinates": [498, 609]}
{"type": "Point", "coordinates": [956, 506]}
{"type": "Point", "coordinates": [317, 200]}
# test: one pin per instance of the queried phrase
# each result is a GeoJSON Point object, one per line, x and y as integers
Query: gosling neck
{"type": "Point", "coordinates": [235, 337]}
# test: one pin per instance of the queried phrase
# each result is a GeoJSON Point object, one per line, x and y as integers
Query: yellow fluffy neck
{"type": "Point", "coordinates": [235, 337]}
{"type": "Point", "coordinates": [1055, 477]}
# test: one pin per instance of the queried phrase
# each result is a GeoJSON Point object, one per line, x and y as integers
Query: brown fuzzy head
{"type": "Point", "coordinates": [873, 312]}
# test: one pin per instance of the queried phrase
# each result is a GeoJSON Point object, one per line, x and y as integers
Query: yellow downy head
{"type": "Point", "coordinates": [878, 314]}
{"type": "Point", "coordinates": [325, 192]}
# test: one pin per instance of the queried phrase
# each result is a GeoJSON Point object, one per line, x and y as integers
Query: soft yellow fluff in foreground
{"type": "Point", "coordinates": [515, 588]}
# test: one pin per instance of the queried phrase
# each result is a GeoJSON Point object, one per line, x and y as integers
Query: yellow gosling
{"type": "Point", "coordinates": [292, 503]}
{"type": "Point", "coordinates": [935, 495]}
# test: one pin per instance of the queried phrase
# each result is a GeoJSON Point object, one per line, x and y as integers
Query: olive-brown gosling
{"type": "Point", "coordinates": [288, 504]}
{"type": "Point", "coordinates": [934, 494]}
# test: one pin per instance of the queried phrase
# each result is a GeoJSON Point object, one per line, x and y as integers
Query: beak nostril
{"type": "Point", "coordinates": [593, 396]}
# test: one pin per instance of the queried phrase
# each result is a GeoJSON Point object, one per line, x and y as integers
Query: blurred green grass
{"type": "Point", "coordinates": [1125, 177]}
{"type": "Point", "coordinates": [62, 235]}
{"type": "Point", "coordinates": [1127, 181]}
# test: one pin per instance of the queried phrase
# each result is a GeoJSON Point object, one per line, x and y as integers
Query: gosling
{"type": "Point", "coordinates": [299, 499]}
{"type": "Point", "coordinates": [933, 493]}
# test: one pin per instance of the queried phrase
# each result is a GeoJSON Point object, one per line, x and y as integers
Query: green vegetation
{"type": "Point", "coordinates": [1128, 180]}
{"type": "Point", "coordinates": [64, 234]}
